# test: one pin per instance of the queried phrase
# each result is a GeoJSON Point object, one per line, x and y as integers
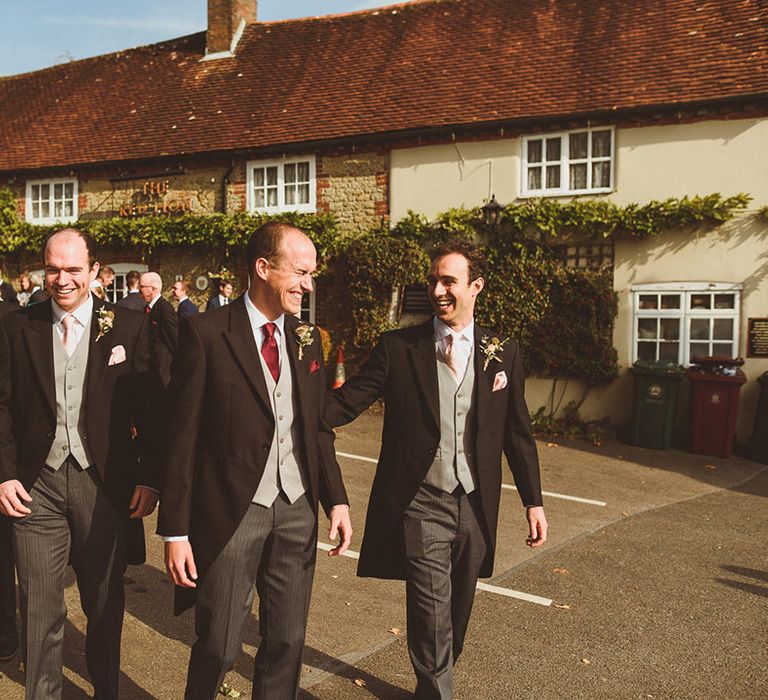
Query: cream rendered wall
{"type": "Point", "coordinates": [654, 162]}
{"type": "Point", "coordinates": [433, 179]}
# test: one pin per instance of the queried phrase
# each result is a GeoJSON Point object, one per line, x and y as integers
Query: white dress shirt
{"type": "Point", "coordinates": [259, 320]}
{"type": "Point", "coordinates": [81, 314]}
{"type": "Point", "coordinates": [463, 342]}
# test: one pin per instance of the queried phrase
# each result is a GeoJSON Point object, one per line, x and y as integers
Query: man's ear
{"type": "Point", "coordinates": [260, 268]}
{"type": "Point", "coordinates": [94, 271]}
{"type": "Point", "coordinates": [478, 284]}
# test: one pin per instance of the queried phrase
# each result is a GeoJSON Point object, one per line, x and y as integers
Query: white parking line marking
{"type": "Point", "coordinates": [528, 597]}
{"type": "Point", "coordinates": [577, 499]}
{"type": "Point", "coordinates": [328, 547]}
{"type": "Point", "coordinates": [362, 459]}
{"type": "Point", "coordinates": [487, 587]}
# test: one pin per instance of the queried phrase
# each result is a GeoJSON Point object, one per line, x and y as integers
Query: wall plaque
{"type": "Point", "coordinates": [757, 337]}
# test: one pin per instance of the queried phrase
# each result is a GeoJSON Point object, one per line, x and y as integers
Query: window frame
{"type": "Point", "coordinates": [309, 207]}
{"type": "Point", "coordinates": [51, 182]}
{"type": "Point", "coordinates": [565, 162]}
{"type": "Point", "coordinates": [686, 313]}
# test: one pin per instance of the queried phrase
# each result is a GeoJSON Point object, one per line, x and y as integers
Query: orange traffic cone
{"type": "Point", "coordinates": [340, 375]}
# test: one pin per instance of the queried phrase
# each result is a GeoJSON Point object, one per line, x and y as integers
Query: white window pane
{"type": "Point", "coordinates": [701, 301]}
{"type": "Point", "coordinates": [303, 171]}
{"type": "Point", "coordinates": [723, 329]}
{"type": "Point", "coordinates": [670, 301]}
{"type": "Point", "coordinates": [45, 209]}
{"type": "Point", "coordinates": [578, 179]}
{"type": "Point", "coordinates": [290, 172]}
{"type": "Point", "coordinates": [272, 176]}
{"type": "Point", "coordinates": [647, 328]}
{"type": "Point", "coordinates": [58, 190]}
{"type": "Point", "coordinates": [258, 198]}
{"type": "Point", "coordinates": [534, 178]}
{"type": "Point", "coordinates": [303, 197]}
{"type": "Point", "coordinates": [601, 144]}
{"type": "Point", "coordinates": [290, 194]}
{"type": "Point", "coordinates": [669, 352]}
{"type": "Point", "coordinates": [698, 350]}
{"type": "Point", "coordinates": [35, 210]}
{"type": "Point", "coordinates": [670, 328]}
{"type": "Point", "coordinates": [258, 177]}
{"type": "Point", "coordinates": [534, 151]}
{"type": "Point", "coordinates": [69, 190]}
{"type": "Point", "coordinates": [272, 197]}
{"type": "Point", "coordinates": [35, 193]}
{"type": "Point", "coordinates": [577, 145]}
{"type": "Point", "coordinates": [45, 191]}
{"type": "Point", "coordinates": [725, 301]}
{"type": "Point", "coordinates": [601, 174]}
{"type": "Point", "coordinates": [649, 301]}
{"type": "Point", "coordinates": [69, 209]}
{"type": "Point", "coordinates": [722, 349]}
{"type": "Point", "coordinates": [553, 177]}
{"type": "Point", "coordinates": [699, 329]}
{"type": "Point", "coordinates": [57, 209]}
{"type": "Point", "coordinates": [646, 351]}
{"type": "Point", "coordinates": [553, 149]}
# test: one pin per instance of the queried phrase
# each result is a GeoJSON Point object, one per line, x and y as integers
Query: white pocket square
{"type": "Point", "coordinates": [117, 356]}
{"type": "Point", "coordinates": [499, 381]}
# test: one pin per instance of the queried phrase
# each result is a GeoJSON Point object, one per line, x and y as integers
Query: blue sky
{"type": "Point", "coordinates": [41, 33]}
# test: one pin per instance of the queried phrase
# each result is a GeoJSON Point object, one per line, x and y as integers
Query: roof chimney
{"type": "Point", "coordinates": [226, 22]}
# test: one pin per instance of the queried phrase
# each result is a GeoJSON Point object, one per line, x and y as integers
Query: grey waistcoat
{"type": "Point", "coordinates": [454, 461]}
{"type": "Point", "coordinates": [282, 470]}
{"type": "Point", "coordinates": [69, 374]}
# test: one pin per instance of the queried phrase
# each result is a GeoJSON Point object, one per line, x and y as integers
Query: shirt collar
{"type": "Point", "coordinates": [442, 330]}
{"type": "Point", "coordinates": [82, 313]}
{"type": "Point", "coordinates": [258, 319]}
{"type": "Point", "coordinates": [154, 301]}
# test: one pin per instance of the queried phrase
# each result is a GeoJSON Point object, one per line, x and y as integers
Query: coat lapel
{"type": "Point", "coordinates": [98, 353]}
{"type": "Point", "coordinates": [299, 368]}
{"type": "Point", "coordinates": [483, 378]}
{"type": "Point", "coordinates": [38, 336]}
{"type": "Point", "coordinates": [243, 346]}
{"type": "Point", "coordinates": [424, 364]}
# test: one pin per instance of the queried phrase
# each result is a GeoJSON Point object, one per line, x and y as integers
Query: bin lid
{"type": "Point", "coordinates": [717, 361]}
{"type": "Point", "coordinates": [657, 367]}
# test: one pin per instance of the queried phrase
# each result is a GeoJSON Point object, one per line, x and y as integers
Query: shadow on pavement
{"type": "Point", "coordinates": [755, 589]}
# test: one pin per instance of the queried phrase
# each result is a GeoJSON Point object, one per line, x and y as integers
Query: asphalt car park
{"type": "Point", "coordinates": [653, 584]}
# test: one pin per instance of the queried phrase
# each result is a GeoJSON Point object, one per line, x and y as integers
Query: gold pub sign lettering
{"type": "Point", "coordinates": [151, 200]}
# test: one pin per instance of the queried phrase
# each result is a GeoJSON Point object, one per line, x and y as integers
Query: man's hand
{"type": "Point", "coordinates": [180, 563]}
{"type": "Point", "coordinates": [143, 502]}
{"type": "Point", "coordinates": [12, 493]}
{"type": "Point", "coordinates": [340, 525]}
{"type": "Point", "coordinates": [537, 524]}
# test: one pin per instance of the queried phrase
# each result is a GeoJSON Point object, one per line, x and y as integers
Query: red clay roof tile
{"type": "Point", "coordinates": [424, 64]}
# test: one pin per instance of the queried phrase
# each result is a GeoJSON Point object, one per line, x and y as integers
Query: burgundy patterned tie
{"type": "Point", "coordinates": [269, 350]}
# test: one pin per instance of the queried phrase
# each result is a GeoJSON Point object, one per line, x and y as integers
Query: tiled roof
{"type": "Point", "coordinates": [418, 65]}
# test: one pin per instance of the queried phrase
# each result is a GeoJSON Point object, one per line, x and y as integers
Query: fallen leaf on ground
{"type": "Point", "coordinates": [552, 444]}
{"type": "Point", "coordinates": [347, 603]}
{"type": "Point", "coordinates": [228, 691]}
{"type": "Point", "coordinates": [334, 576]}
{"type": "Point", "coordinates": [394, 630]}
{"type": "Point", "coordinates": [560, 570]}
{"type": "Point", "coordinates": [586, 662]}
{"type": "Point", "coordinates": [625, 514]}
{"type": "Point", "coordinates": [562, 606]}
{"type": "Point", "coordinates": [360, 682]}
{"type": "Point", "coordinates": [710, 466]}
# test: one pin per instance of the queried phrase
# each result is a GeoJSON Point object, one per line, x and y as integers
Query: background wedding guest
{"type": "Point", "coordinates": [9, 637]}
{"type": "Point", "coordinates": [186, 306]}
{"type": "Point", "coordinates": [105, 278]}
{"type": "Point", "coordinates": [133, 298]}
{"type": "Point", "coordinates": [163, 325]}
{"type": "Point", "coordinates": [7, 292]}
{"type": "Point", "coordinates": [25, 289]}
{"type": "Point", "coordinates": [222, 298]}
{"type": "Point", "coordinates": [38, 294]}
